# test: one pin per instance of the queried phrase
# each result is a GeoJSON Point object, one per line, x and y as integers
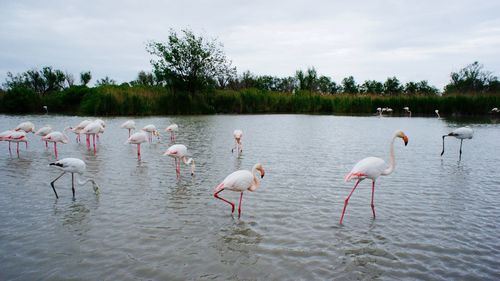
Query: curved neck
{"type": "Point", "coordinates": [392, 161]}
{"type": "Point", "coordinates": [95, 186]}
{"type": "Point", "coordinates": [190, 161]}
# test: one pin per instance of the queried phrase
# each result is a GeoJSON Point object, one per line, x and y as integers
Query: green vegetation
{"type": "Point", "coordinates": [192, 75]}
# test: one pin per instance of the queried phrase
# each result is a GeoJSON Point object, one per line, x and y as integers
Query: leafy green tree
{"type": "Point", "coordinates": [105, 81]}
{"type": "Point", "coordinates": [39, 81]}
{"type": "Point", "coordinates": [349, 86]}
{"type": "Point", "coordinates": [188, 62]}
{"type": "Point", "coordinates": [144, 79]}
{"type": "Point", "coordinates": [423, 88]}
{"type": "Point", "coordinates": [326, 85]}
{"type": "Point", "coordinates": [286, 84]}
{"type": "Point", "coordinates": [372, 87]}
{"type": "Point", "coordinates": [85, 77]}
{"type": "Point", "coordinates": [472, 79]}
{"type": "Point", "coordinates": [392, 86]}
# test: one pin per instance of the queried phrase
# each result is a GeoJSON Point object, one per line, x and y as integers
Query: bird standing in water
{"type": "Point", "coordinates": [72, 165]}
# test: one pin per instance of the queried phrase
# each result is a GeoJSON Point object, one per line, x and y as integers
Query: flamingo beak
{"type": "Point", "coordinates": [262, 173]}
{"type": "Point", "coordinates": [405, 139]}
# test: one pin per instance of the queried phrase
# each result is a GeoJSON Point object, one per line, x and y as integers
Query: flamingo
{"type": "Point", "coordinates": [494, 110]}
{"type": "Point", "coordinates": [129, 125]}
{"type": "Point", "coordinates": [46, 109]}
{"type": "Point", "coordinates": [43, 131]}
{"type": "Point", "coordinates": [179, 152]}
{"type": "Point", "coordinates": [17, 137]}
{"type": "Point", "coordinates": [238, 145]}
{"type": "Point", "coordinates": [461, 134]}
{"type": "Point", "coordinates": [4, 137]}
{"type": "Point", "coordinates": [92, 129]}
{"type": "Point", "coordinates": [28, 127]}
{"type": "Point", "coordinates": [138, 138]}
{"type": "Point", "coordinates": [151, 129]}
{"type": "Point", "coordinates": [172, 129]}
{"type": "Point", "coordinates": [372, 168]}
{"type": "Point", "coordinates": [56, 137]}
{"type": "Point", "coordinates": [240, 181]}
{"type": "Point", "coordinates": [437, 113]}
{"type": "Point", "coordinates": [379, 112]}
{"type": "Point", "coordinates": [407, 109]}
{"type": "Point", "coordinates": [72, 165]}
{"type": "Point", "coordinates": [101, 130]}
{"type": "Point", "coordinates": [78, 129]}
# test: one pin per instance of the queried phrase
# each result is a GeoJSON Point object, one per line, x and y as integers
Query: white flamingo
{"type": "Point", "coordinates": [238, 145]}
{"type": "Point", "coordinates": [78, 128]}
{"type": "Point", "coordinates": [179, 153]}
{"type": "Point", "coordinates": [461, 134]}
{"type": "Point", "coordinates": [55, 137]}
{"type": "Point", "coordinates": [129, 125]}
{"type": "Point", "coordinates": [172, 129]}
{"type": "Point", "coordinates": [138, 138]}
{"type": "Point", "coordinates": [91, 130]}
{"type": "Point", "coordinates": [151, 129]}
{"type": "Point", "coordinates": [27, 127]}
{"type": "Point", "coordinates": [407, 109]}
{"type": "Point", "coordinates": [72, 165]}
{"type": "Point", "coordinates": [437, 113]}
{"type": "Point", "coordinates": [43, 131]}
{"type": "Point", "coordinates": [17, 137]}
{"type": "Point", "coordinates": [240, 181]}
{"type": "Point", "coordinates": [372, 168]}
{"type": "Point", "coordinates": [4, 136]}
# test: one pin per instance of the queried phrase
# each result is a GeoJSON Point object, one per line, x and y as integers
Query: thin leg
{"type": "Point", "coordinates": [17, 146]}
{"type": "Point", "coordinates": [129, 133]}
{"type": "Point", "coordinates": [239, 205]}
{"type": "Point", "coordinates": [442, 152]}
{"type": "Point", "coordinates": [139, 151]}
{"type": "Point", "coordinates": [10, 151]}
{"type": "Point", "coordinates": [373, 192]}
{"type": "Point", "coordinates": [55, 149]}
{"type": "Point", "coordinates": [73, 184]}
{"type": "Point", "coordinates": [46, 145]}
{"type": "Point", "coordinates": [93, 139]}
{"type": "Point", "coordinates": [347, 200]}
{"type": "Point", "coordinates": [52, 183]}
{"type": "Point", "coordinates": [26, 143]}
{"type": "Point", "coordinates": [178, 167]}
{"type": "Point", "coordinates": [460, 155]}
{"type": "Point", "coordinates": [216, 195]}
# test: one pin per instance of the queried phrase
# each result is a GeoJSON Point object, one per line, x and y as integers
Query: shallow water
{"type": "Point", "coordinates": [437, 218]}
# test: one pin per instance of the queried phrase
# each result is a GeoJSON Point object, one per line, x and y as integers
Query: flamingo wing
{"type": "Point", "coordinates": [369, 167]}
{"type": "Point", "coordinates": [238, 181]}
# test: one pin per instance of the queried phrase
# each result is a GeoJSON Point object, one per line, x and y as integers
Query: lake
{"type": "Point", "coordinates": [437, 218]}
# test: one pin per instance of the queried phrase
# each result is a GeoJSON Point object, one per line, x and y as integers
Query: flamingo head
{"type": "Point", "coordinates": [402, 135]}
{"type": "Point", "coordinates": [259, 168]}
{"type": "Point", "coordinates": [170, 152]}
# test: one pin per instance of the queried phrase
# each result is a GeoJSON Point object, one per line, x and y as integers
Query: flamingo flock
{"type": "Point", "coordinates": [238, 181]}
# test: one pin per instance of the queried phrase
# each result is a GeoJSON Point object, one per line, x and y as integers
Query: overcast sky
{"type": "Point", "coordinates": [412, 40]}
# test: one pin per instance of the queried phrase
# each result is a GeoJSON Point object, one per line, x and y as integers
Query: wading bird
{"type": "Point", "coordinates": [129, 125]}
{"type": "Point", "coordinates": [17, 137]}
{"type": "Point", "coordinates": [238, 145]}
{"type": "Point", "coordinates": [461, 134]}
{"type": "Point", "coordinates": [240, 181]}
{"type": "Point", "coordinates": [56, 137]}
{"type": "Point", "coordinates": [46, 109]}
{"type": "Point", "coordinates": [437, 113]}
{"type": "Point", "coordinates": [407, 109]}
{"type": "Point", "coordinates": [43, 131]}
{"type": "Point", "coordinates": [78, 129]}
{"type": "Point", "coordinates": [27, 127]}
{"type": "Point", "coordinates": [138, 138]}
{"type": "Point", "coordinates": [91, 130]}
{"type": "Point", "coordinates": [172, 129]}
{"type": "Point", "coordinates": [494, 110]}
{"type": "Point", "coordinates": [372, 168]}
{"type": "Point", "coordinates": [4, 137]}
{"type": "Point", "coordinates": [179, 153]}
{"type": "Point", "coordinates": [151, 129]}
{"type": "Point", "coordinates": [72, 165]}
{"type": "Point", "coordinates": [379, 111]}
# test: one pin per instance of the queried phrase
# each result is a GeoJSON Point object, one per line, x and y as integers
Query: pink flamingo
{"type": "Point", "coordinates": [372, 168]}
{"type": "Point", "coordinates": [151, 129]}
{"type": "Point", "coordinates": [129, 125]}
{"type": "Point", "coordinates": [72, 165]}
{"type": "Point", "coordinates": [138, 138]}
{"type": "Point", "coordinates": [4, 136]}
{"type": "Point", "coordinates": [238, 145]}
{"type": "Point", "coordinates": [27, 127]}
{"type": "Point", "coordinates": [17, 137]}
{"type": "Point", "coordinates": [78, 129]}
{"type": "Point", "coordinates": [56, 137]}
{"type": "Point", "coordinates": [172, 129]}
{"type": "Point", "coordinates": [43, 131]}
{"type": "Point", "coordinates": [179, 152]}
{"type": "Point", "coordinates": [240, 181]}
{"type": "Point", "coordinates": [91, 130]}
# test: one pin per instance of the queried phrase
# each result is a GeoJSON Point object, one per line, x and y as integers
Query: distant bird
{"type": "Point", "coordinates": [151, 129]}
{"type": "Point", "coordinates": [372, 168]}
{"type": "Point", "coordinates": [138, 138]}
{"type": "Point", "coordinates": [27, 127]}
{"type": "Point", "coordinates": [437, 113]}
{"type": "Point", "coordinates": [72, 165]}
{"type": "Point", "coordinates": [56, 137]}
{"type": "Point", "coordinates": [389, 110]}
{"type": "Point", "coordinates": [461, 134]}
{"type": "Point", "coordinates": [43, 131]}
{"type": "Point", "coordinates": [238, 145]}
{"type": "Point", "coordinates": [129, 125]}
{"type": "Point", "coordinates": [46, 109]}
{"type": "Point", "coordinates": [172, 129]}
{"type": "Point", "coordinates": [4, 136]}
{"type": "Point", "coordinates": [379, 112]}
{"type": "Point", "coordinates": [240, 181]}
{"type": "Point", "coordinates": [91, 130]}
{"type": "Point", "coordinates": [78, 128]}
{"type": "Point", "coordinates": [494, 110]}
{"type": "Point", "coordinates": [407, 109]}
{"type": "Point", "coordinates": [179, 153]}
{"type": "Point", "coordinates": [17, 137]}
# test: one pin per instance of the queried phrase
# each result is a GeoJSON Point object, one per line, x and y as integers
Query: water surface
{"type": "Point", "coordinates": [437, 218]}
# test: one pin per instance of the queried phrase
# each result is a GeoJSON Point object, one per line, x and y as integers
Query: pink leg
{"type": "Point", "coordinates": [347, 200]}
{"type": "Point", "coordinates": [26, 143]}
{"type": "Point", "coordinates": [178, 167]}
{"type": "Point", "coordinates": [139, 151]}
{"type": "Point", "coordinates": [93, 140]}
{"type": "Point", "coordinates": [17, 149]}
{"type": "Point", "coordinates": [87, 138]}
{"type": "Point", "coordinates": [373, 191]}
{"type": "Point", "coordinates": [239, 205]}
{"type": "Point", "coordinates": [55, 149]}
{"type": "Point", "coordinates": [216, 195]}
{"type": "Point", "coordinates": [46, 145]}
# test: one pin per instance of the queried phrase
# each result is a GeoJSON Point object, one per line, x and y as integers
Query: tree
{"type": "Point", "coordinates": [392, 86]}
{"type": "Point", "coordinates": [189, 62]}
{"type": "Point", "coordinates": [105, 81]}
{"type": "Point", "coordinates": [41, 82]}
{"type": "Point", "coordinates": [372, 87]}
{"type": "Point", "coordinates": [472, 79]}
{"type": "Point", "coordinates": [144, 79]}
{"type": "Point", "coordinates": [349, 86]}
{"type": "Point", "coordinates": [85, 77]}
